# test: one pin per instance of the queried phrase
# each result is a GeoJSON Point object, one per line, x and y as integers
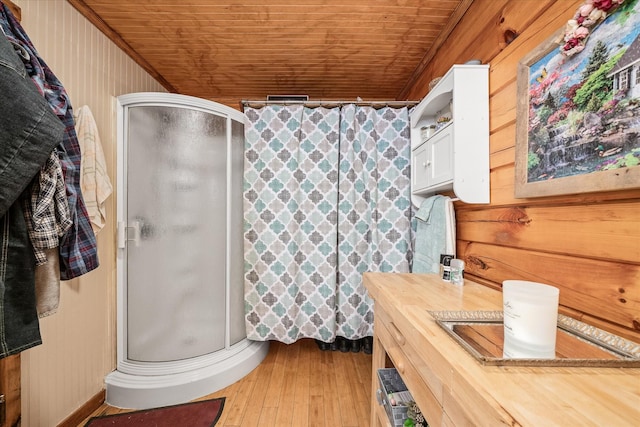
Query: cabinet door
{"type": "Point", "coordinates": [420, 168]}
{"type": "Point", "coordinates": [441, 159]}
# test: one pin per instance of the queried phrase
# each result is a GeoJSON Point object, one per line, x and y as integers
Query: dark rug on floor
{"type": "Point", "coordinates": [204, 413]}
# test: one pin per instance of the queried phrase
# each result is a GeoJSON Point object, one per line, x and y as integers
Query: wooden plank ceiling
{"type": "Point", "coordinates": [232, 50]}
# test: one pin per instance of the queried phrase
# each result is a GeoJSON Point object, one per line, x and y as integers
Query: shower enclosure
{"type": "Point", "coordinates": [180, 310]}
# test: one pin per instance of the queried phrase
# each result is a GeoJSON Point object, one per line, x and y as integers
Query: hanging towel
{"type": "Point", "coordinates": [94, 180]}
{"type": "Point", "coordinates": [435, 233]}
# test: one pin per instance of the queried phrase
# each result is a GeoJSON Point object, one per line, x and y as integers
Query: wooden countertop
{"type": "Point", "coordinates": [528, 396]}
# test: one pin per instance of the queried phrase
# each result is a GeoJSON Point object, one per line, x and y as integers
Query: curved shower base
{"type": "Point", "coordinates": [151, 385]}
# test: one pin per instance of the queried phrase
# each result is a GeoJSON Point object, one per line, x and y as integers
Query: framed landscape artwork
{"type": "Point", "coordinates": [578, 108]}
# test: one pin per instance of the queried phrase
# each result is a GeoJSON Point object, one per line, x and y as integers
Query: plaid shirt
{"type": "Point", "coordinates": [46, 212]}
{"type": "Point", "coordinates": [78, 248]}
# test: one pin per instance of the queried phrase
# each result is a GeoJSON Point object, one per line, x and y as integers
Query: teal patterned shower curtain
{"type": "Point", "coordinates": [326, 198]}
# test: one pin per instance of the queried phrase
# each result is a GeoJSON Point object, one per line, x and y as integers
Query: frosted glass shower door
{"type": "Point", "coordinates": [180, 259]}
{"type": "Point", "coordinates": [176, 233]}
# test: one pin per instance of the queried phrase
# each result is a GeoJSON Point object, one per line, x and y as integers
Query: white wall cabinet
{"type": "Point", "coordinates": [456, 156]}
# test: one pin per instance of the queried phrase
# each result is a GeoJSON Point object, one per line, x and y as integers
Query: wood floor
{"type": "Point", "coordinates": [297, 385]}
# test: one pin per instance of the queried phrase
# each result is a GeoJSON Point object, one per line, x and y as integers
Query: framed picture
{"type": "Point", "coordinates": [578, 107]}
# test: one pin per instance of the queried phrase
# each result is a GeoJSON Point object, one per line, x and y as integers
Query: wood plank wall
{"type": "Point", "coordinates": [588, 245]}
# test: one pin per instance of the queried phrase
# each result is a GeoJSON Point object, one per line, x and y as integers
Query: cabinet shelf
{"type": "Point", "coordinates": [456, 157]}
{"type": "Point", "coordinates": [436, 132]}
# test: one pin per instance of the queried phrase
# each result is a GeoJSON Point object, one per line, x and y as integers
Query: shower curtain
{"type": "Point", "coordinates": [326, 198]}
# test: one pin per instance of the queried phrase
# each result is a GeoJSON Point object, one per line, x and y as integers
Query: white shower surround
{"type": "Point", "coordinates": [143, 384]}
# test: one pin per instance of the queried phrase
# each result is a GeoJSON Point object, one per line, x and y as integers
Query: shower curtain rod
{"type": "Point", "coordinates": [325, 103]}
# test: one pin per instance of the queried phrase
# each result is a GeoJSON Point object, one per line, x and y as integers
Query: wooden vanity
{"type": "Point", "coordinates": [454, 389]}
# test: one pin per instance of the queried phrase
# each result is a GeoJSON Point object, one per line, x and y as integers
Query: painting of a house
{"type": "Point", "coordinates": [584, 109]}
{"type": "Point", "coordinates": [626, 72]}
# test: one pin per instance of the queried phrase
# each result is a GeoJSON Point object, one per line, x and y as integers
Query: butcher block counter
{"type": "Point", "coordinates": [452, 388]}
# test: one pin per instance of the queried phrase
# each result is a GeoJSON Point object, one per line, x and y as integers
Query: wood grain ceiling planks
{"type": "Point", "coordinates": [238, 49]}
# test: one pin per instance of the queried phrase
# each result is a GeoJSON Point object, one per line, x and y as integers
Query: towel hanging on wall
{"type": "Point", "coordinates": [435, 234]}
{"type": "Point", "coordinates": [94, 181]}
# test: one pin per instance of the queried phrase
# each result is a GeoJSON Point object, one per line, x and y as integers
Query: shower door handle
{"type": "Point", "coordinates": [126, 234]}
{"type": "Point", "coordinates": [135, 228]}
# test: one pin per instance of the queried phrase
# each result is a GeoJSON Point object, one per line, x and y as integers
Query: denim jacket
{"type": "Point", "coordinates": [29, 131]}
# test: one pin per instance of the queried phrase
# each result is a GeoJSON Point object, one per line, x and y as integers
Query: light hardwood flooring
{"type": "Point", "coordinates": [297, 385]}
